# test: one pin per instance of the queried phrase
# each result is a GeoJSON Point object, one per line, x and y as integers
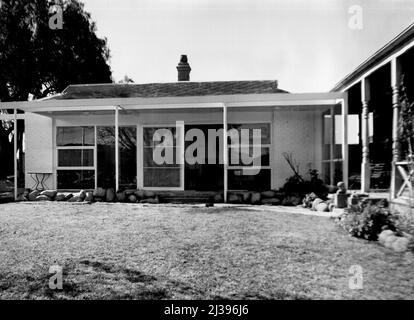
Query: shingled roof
{"type": "Point", "coordinates": [174, 89]}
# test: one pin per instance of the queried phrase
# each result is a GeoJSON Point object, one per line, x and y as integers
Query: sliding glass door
{"type": "Point", "coordinates": [163, 161]}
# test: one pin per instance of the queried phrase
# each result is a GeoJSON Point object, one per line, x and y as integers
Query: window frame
{"type": "Point", "coordinates": [264, 145]}
{"type": "Point", "coordinates": [180, 144]}
{"type": "Point", "coordinates": [75, 168]}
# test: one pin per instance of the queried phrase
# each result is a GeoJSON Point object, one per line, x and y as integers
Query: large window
{"type": "Point", "coordinates": [157, 174]}
{"type": "Point", "coordinates": [255, 173]}
{"type": "Point", "coordinates": [75, 157]}
{"type": "Point", "coordinates": [84, 160]}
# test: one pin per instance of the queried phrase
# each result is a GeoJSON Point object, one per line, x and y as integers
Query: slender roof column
{"type": "Point", "coordinates": [15, 151]}
{"type": "Point", "coordinates": [116, 148]}
{"type": "Point", "coordinates": [225, 153]}
{"type": "Point", "coordinates": [345, 149]}
{"type": "Point", "coordinates": [365, 166]}
{"type": "Point", "coordinates": [395, 78]}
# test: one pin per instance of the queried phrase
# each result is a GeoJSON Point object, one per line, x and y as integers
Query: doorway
{"type": "Point", "coordinates": [204, 176]}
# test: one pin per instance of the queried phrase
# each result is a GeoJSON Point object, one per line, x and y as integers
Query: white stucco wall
{"type": "Point", "coordinates": [39, 143]}
{"type": "Point", "coordinates": [298, 132]}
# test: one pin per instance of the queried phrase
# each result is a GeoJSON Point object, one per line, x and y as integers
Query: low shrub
{"type": "Point", "coordinates": [367, 220]}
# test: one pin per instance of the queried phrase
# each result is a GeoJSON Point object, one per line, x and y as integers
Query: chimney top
{"type": "Point", "coordinates": [183, 69]}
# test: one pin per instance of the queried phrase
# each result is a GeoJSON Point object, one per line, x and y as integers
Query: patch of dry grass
{"type": "Point", "coordinates": [129, 251]}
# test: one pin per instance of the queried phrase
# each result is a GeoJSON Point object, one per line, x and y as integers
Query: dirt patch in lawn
{"type": "Point", "coordinates": [129, 251]}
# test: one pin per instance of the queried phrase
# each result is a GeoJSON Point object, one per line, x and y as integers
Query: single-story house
{"type": "Point", "coordinates": [102, 135]}
{"type": "Point", "coordinates": [95, 135]}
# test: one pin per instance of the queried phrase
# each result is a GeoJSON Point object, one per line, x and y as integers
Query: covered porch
{"type": "Point", "coordinates": [115, 138]}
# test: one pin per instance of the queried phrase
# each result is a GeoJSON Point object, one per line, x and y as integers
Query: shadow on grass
{"type": "Point", "coordinates": [111, 282]}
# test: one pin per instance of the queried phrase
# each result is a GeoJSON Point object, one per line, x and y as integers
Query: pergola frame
{"type": "Point", "coordinates": [224, 103]}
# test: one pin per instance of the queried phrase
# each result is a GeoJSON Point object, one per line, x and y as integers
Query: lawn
{"type": "Point", "coordinates": [130, 251]}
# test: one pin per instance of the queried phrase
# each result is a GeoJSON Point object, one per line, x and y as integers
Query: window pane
{"type": "Point", "coordinates": [263, 127]}
{"type": "Point", "coordinates": [75, 158]}
{"type": "Point", "coordinates": [240, 179]}
{"type": "Point", "coordinates": [150, 132]}
{"type": "Point", "coordinates": [149, 157]}
{"type": "Point", "coordinates": [128, 157]}
{"type": "Point", "coordinates": [234, 156]}
{"type": "Point", "coordinates": [106, 156]}
{"type": "Point", "coordinates": [161, 177]}
{"type": "Point", "coordinates": [75, 136]}
{"type": "Point", "coordinates": [76, 179]}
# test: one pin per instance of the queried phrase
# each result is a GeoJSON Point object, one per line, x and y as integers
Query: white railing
{"type": "Point", "coordinates": [405, 170]}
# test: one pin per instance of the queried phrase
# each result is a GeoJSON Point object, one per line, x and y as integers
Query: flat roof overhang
{"type": "Point", "coordinates": [280, 100]}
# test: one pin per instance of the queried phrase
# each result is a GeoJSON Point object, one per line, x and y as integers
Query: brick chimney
{"type": "Point", "coordinates": [183, 69]}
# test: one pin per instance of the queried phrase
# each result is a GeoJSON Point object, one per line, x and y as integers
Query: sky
{"type": "Point", "coordinates": [307, 45]}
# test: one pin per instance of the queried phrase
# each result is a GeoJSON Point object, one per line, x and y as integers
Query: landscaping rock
{"type": "Point", "coordinates": [33, 195]}
{"type": "Point", "coordinates": [99, 193]}
{"type": "Point", "coordinates": [218, 198]}
{"type": "Point", "coordinates": [268, 194]}
{"type": "Point", "coordinates": [110, 195]}
{"type": "Point", "coordinates": [121, 196]}
{"type": "Point", "coordinates": [68, 196]}
{"type": "Point", "coordinates": [140, 194]}
{"type": "Point", "coordinates": [132, 198]}
{"type": "Point", "coordinates": [384, 235]}
{"type": "Point", "coordinates": [389, 241]}
{"type": "Point", "coordinates": [315, 204]}
{"type": "Point", "coordinates": [255, 198]}
{"type": "Point", "coordinates": [149, 194]}
{"type": "Point", "coordinates": [150, 200]}
{"type": "Point", "coordinates": [89, 196]}
{"type": "Point", "coordinates": [234, 198]}
{"type": "Point", "coordinates": [245, 197]}
{"type": "Point", "coordinates": [76, 198]}
{"type": "Point", "coordinates": [42, 198]}
{"type": "Point", "coordinates": [82, 194]}
{"type": "Point", "coordinates": [49, 193]}
{"type": "Point", "coordinates": [292, 200]}
{"type": "Point", "coordinates": [322, 207]}
{"type": "Point", "coordinates": [271, 201]}
{"type": "Point", "coordinates": [400, 245]}
{"type": "Point", "coordinates": [60, 197]}
{"type": "Point", "coordinates": [21, 197]}
{"type": "Point", "coordinates": [308, 200]}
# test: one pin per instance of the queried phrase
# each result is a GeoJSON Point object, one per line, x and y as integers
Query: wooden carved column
{"type": "Point", "coordinates": [365, 166]}
{"type": "Point", "coordinates": [395, 79]}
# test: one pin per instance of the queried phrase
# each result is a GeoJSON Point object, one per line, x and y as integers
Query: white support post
{"type": "Point", "coordinates": [95, 155]}
{"type": "Point", "coordinates": [15, 151]}
{"type": "Point", "coordinates": [225, 153]}
{"type": "Point", "coordinates": [116, 148]}
{"type": "Point", "coordinates": [331, 147]}
{"type": "Point", "coordinates": [365, 166]}
{"type": "Point", "coordinates": [395, 85]}
{"type": "Point", "coordinates": [345, 159]}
